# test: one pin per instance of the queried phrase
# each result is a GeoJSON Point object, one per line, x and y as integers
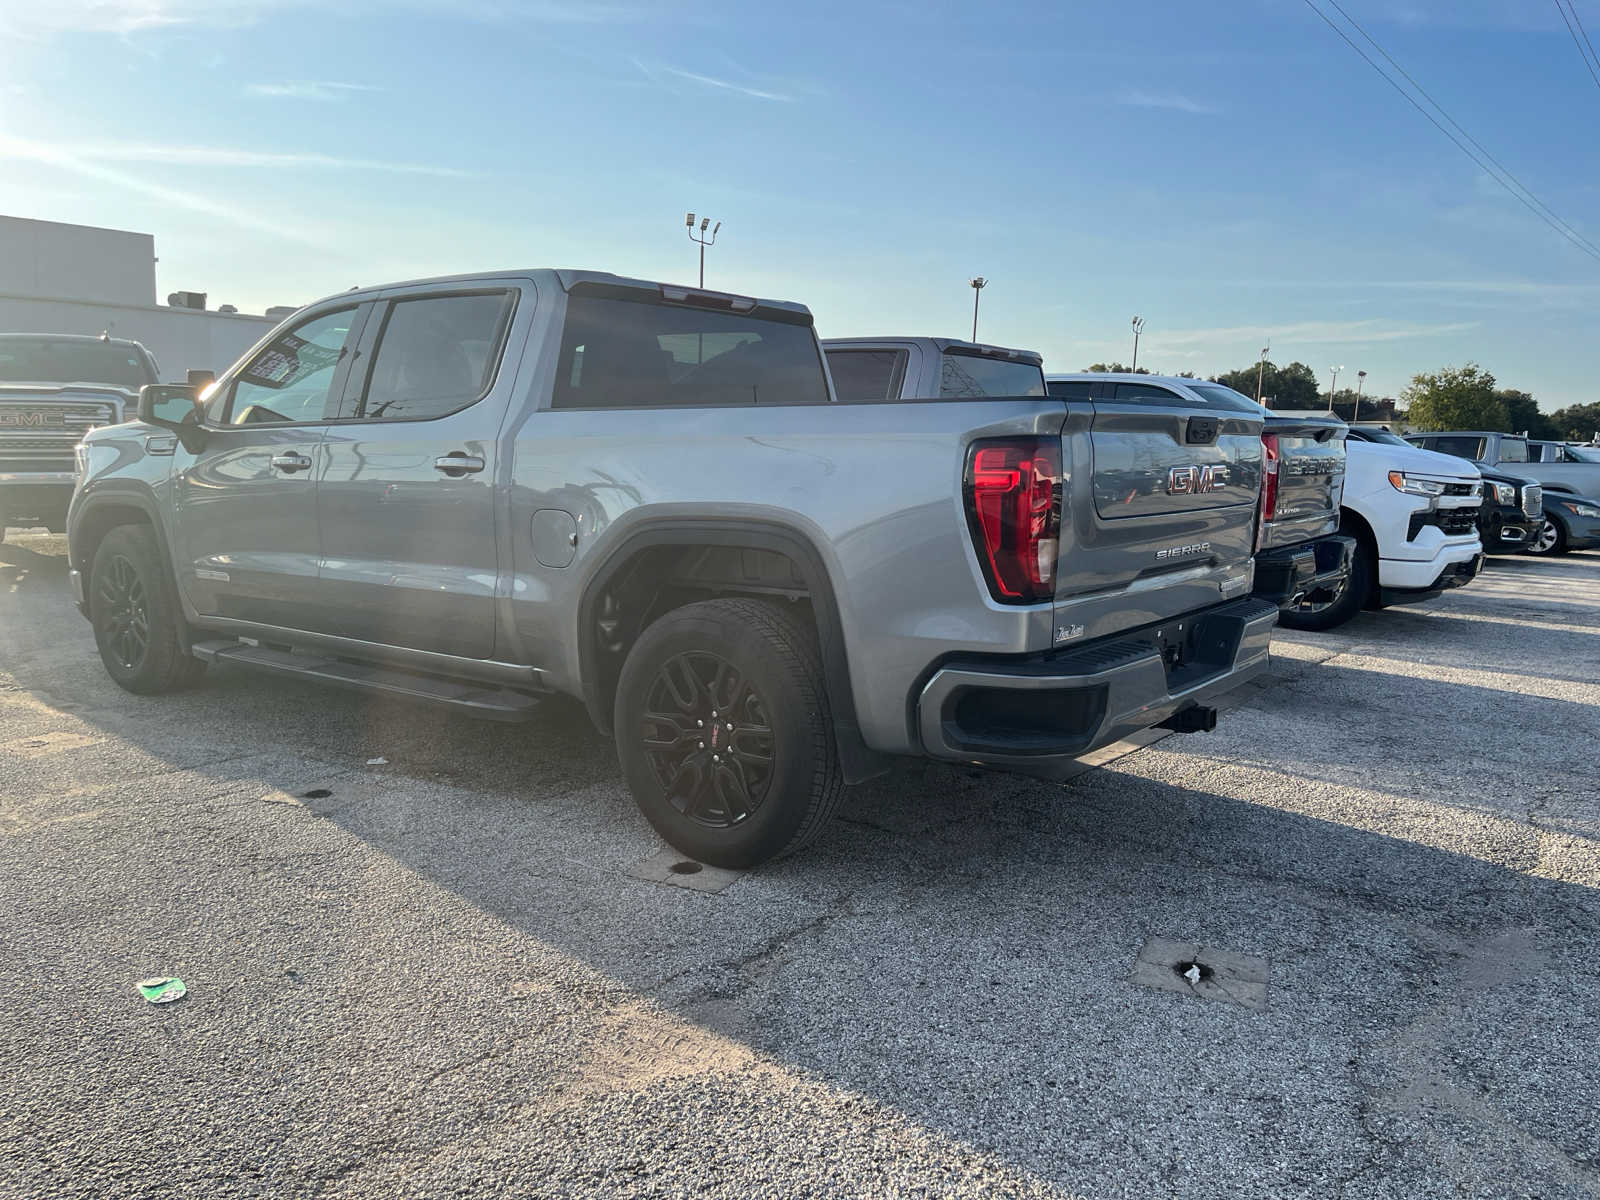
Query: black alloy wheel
{"type": "Point", "coordinates": [724, 731]}
{"type": "Point", "coordinates": [709, 739]}
{"type": "Point", "coordinates": [124, 613]}
{"type": "Point", "coordinates": [136, 615]}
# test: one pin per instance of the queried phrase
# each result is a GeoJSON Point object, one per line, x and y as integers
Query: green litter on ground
{"type": "Point", "coordinates": [162, 989]}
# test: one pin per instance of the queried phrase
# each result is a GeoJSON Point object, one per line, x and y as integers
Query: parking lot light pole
{"type": "Point", "coordinates": [978, 283]}
{"type": "Point", "coordinates": [1334, 386]}
{"type": "Point", "coordinates": [1138, 328]}
{"type": "Point", "coordinates": [1361, 378]}
{"type": "Point", "coordinates": [1261, 370]}
{"type": "Point", "coordinates": [701, 239]}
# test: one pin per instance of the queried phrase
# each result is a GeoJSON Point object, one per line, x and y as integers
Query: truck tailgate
{"type": "Point", "coordinates": [1159, 513]}
{"type": "Point", "coordinates": [1310, 467]}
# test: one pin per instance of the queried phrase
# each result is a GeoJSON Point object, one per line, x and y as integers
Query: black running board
{"type": "Point", "coordinates": [476, 699]}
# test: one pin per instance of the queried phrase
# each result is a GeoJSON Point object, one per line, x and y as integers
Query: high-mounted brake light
{"type": "Point", "coordinates": [678, 295]}
{"type": "Point", "coordinates": [1013, 493]}
{"type": "Point", "coordinates": [1269, 484]}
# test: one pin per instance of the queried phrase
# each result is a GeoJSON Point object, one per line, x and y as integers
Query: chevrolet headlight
{"type": "Point", "coordinates": [1505, 493]}
{"type": "Point", "coordinates": [1411, 485]}
{"type": "Point", "coordinates": [1580, 509]}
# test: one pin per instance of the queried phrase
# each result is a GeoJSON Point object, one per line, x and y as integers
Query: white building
{"type": "Point", "coordinates": [57, 278]}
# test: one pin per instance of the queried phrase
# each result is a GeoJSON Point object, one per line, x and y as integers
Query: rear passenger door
{"type": "Point", "coordinates": [406, 499]}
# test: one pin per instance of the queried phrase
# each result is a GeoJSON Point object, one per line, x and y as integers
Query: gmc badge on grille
{"type": "Point", "coordinates": [23, 420]}
{"type": "Point", "coordinates": [1185, 481]}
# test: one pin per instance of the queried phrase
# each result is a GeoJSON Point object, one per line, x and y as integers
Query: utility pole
{"type": "Point", "coordinates": [1138, 328]}
{"type": "Point", "coordinates": [1261, 370]}
{"type": "Point", "coordinates": [700, 238]}
{"type": "Point", "coordinates": [1361, 378]}
{"type": "Point", "coordinates": [978, 283]}
{"type": "Point", "coordinates": [1334, 386]}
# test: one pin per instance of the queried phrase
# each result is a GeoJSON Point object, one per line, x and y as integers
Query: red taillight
{"type": "Point", "coordinates": [1269, 484]}
{"type": "Point", "coordinates": [1013, 491]}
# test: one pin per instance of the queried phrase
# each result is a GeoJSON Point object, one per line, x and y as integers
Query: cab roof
{"type": "Point", "coordinates": [944, 346]}
{"type": "Point", "coordinates": [599, 281]}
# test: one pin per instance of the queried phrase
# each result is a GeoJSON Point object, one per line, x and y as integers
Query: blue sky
{"type": "Point", "coordinates": [1232, 172]}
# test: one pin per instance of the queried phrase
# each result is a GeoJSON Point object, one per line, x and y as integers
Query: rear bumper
{"type": "Point", "coordinates": [1039, 712]}
{"type": "Point", "coordinates": [1452, 576]}
{"type": "Point", "coordinates": [1294, 574]}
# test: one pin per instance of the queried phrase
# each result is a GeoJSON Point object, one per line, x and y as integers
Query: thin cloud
{"type": "Point", "coordinates": [182, 198]}
{"type": "Point", "coordinates": [309, 90]}
{"type": "Point", "coordinates": [222, 156]}
{"type": "Point", "coordinates": [1316, 333]}
{"type": "Point", "coordinates": [1135, 98]}
{"type": "Point", "coordinates": [124, 17]}
{"type": "Point", "coordinates": [742, 89]}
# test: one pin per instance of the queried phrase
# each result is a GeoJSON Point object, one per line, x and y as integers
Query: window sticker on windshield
{"type": "Point", "coordinates": [289, 360]}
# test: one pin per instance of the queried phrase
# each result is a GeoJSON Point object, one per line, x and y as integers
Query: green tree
{"type": "Point", "coordinates": [1115, 368]}
{"type": "Point", "coordinates": [1522, 410]}
{"type": "Point", "coordinates": [1294, 386]}
{"type": "Point", "coordinates": [1577, 422]}
{"type": "Point", "coordinates": [1456, 398]}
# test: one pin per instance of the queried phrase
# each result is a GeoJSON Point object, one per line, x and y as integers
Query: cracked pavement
{"type": "Point", "coordinates": [439, 979]}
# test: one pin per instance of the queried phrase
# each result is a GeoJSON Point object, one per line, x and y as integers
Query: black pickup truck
{"type": "Point", "coordinates": [1302, 562]}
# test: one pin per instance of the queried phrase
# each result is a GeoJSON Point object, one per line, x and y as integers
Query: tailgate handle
{"type": "Point", "coordinates": [1200, 431]}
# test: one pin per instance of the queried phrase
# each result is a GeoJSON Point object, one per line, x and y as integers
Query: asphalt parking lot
{"type": "Point", "coordinates": [435, 975]}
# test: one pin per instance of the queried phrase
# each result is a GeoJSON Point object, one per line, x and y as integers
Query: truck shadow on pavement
{"type": "Point", "coordinates": [955, 949]}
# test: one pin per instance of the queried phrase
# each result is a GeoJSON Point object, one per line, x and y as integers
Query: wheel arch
{"type": "Point", "coordinates": [1356, 525]}
{"type": "Point", "coordinates": [100, 513]}
{"type": "Point", "coordinates": [692, 535]}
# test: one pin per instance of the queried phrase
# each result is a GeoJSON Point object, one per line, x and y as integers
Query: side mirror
{"type": "Point", "coordinates": [173, 406]}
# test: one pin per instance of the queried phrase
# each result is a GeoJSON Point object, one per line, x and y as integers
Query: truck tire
{"type": "Point", "coordinates": [724, 734]}
{"type": "Point", "coordinates": [1552, 539]}
{"type": "Point", "coordinates": [133, 606]}
{"type": "Point", "coordinates": [1319, 618]}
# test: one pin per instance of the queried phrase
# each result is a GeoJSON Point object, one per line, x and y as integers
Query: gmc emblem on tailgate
{"type": "Point", "coordinates": [1186, 481]}
{"type": "Point", "coordinates": [23, 419]}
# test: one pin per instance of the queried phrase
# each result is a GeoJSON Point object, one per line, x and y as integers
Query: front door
{"type": "Point", "coordinates": [245, 505]}
{"type": "Point", "coordinates": [406, 499]}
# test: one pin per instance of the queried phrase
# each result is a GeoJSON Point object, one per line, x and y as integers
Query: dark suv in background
{"type": "Point", "coordinates": [1512, 517]}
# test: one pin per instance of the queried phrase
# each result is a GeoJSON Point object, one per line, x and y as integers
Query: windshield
{"type": "Point", "coordinates": [1223, 396]}
{"type": "Point", "coordinates": [1513, 450]}
{"type": "Point", "coordinates": [50, 360]}
{"type": "Point", "coordinates": [1584, 453]}
{"type": "Point", "coordinates": [1382, 436]}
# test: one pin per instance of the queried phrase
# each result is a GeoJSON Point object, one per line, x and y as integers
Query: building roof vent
{"type": "Point", "coordinates": [187, 299]}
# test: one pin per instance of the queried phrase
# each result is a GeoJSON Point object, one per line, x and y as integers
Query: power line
{"type": "Point", "coordinates": [1582, 53]}
{"type": "Point", "coordinates": [1516, 185]}
{"type": "Point", "coordinates": [1579, 22]}
{"type": "Point", "coordinates": [1499, 166]}
{"type": "Point", "coordinates": [1501, 176]}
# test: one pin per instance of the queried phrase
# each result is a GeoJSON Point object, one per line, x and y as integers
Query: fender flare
{"type": "Point", "coordinates": [857, 761]}
{"type": "Point", "coordinates": [128, 497]}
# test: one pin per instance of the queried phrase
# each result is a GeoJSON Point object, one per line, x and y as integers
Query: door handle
{"type": "Point", "coordinates": [290, 463]}
{"type": "Point", "coordinates": [456, 464]}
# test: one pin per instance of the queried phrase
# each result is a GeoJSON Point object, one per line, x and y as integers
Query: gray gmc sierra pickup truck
{"type": "Point", "coordinates": [485, 489]}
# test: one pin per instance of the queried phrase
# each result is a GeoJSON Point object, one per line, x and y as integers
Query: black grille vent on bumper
{"type": "Point", "coordinates": [1452, 522]}
{"type": "Point", "coordinates": [1458, 489]}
